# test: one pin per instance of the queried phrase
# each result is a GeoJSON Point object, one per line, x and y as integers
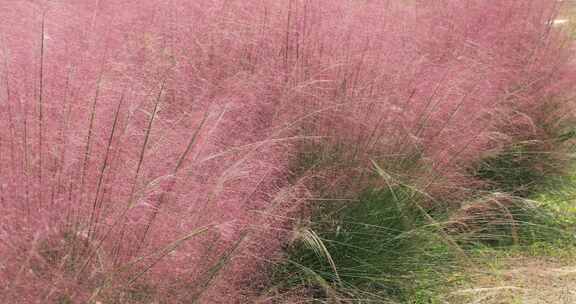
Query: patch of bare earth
{"type": "Point", "coordinates": [527, 280]}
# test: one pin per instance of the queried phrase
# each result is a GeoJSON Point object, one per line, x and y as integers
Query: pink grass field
{"type": "Point", "coordinates": [146, 147]}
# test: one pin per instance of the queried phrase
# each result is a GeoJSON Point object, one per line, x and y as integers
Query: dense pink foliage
{"type": "Point", "coordinates": [125, 126]}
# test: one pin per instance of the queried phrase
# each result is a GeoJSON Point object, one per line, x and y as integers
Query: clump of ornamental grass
{"type": "Point", "coordinates": [323, 261]}
{"type": "Point", "coordinates": [384, 243]}
{"type": "Point", "coordinates": [380, 248]}
{"type": "Point", "coordinates": [533, 156]}
{"type": "Point", "coordinates": [467, 71]}
{"type": "Point", "coordinates": [133, 171]}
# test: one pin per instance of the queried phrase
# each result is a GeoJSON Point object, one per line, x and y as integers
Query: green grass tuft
{"type": "Point", "coordinates": [377, 249]}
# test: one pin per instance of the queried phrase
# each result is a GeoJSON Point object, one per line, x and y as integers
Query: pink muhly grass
{"type": "Point", "coordinates": [428, 78]}
{"type": "Point", "coordinates": [133, 168]}
{"type": "Point", "coordinates": [145, 147]}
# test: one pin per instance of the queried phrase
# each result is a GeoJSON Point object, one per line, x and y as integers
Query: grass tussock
{"type": "Point", "coordinates": [377, 249]}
